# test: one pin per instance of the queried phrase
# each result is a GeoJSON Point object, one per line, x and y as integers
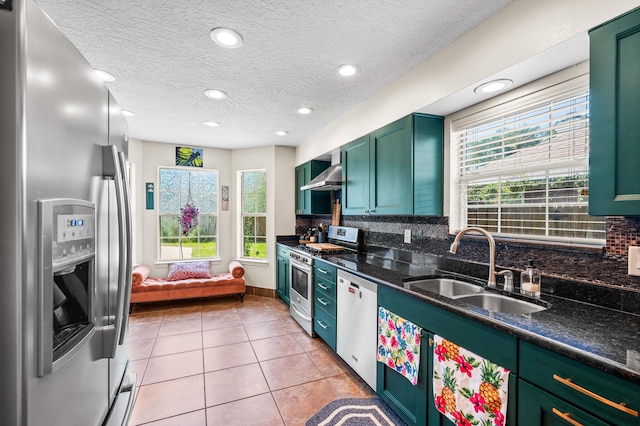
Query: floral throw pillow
{"type": "Point", "coordinates": [188, 270]}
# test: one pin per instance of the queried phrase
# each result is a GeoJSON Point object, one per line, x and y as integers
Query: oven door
{"type": "Point", "coordinates": [301, 278]}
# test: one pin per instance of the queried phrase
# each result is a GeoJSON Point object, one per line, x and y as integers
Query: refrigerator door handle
{"type": "Point", "coordinates": [111, 169]}
{"type": "Point", "coordinates": [126, 282]}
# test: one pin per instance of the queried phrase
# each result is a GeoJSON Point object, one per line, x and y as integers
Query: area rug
{"type": "Point", "coordinates": [356, 412]}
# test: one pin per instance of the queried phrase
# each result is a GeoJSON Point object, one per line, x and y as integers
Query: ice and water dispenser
{"type": "Point", "coordinates": [67, 233]}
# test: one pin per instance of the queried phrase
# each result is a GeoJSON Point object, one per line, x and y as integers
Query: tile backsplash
{"type": "Point", "coordinates": [430, 235]}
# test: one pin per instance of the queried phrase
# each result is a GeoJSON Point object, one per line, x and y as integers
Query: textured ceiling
{"type": "Point", "coordinates": [163, 58]}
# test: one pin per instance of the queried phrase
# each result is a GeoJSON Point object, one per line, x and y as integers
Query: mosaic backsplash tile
{"type": "Point", "coordinates": [430, 235]}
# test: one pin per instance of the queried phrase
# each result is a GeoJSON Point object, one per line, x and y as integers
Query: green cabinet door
{"type": "Point", "coordinates": [282, 272]}
{"type": "Point", "coordinates": [396, 170]}
{"type": "Point", "coordinates": [391, 168]}
{"type": "Point", "coordinates": [303, 198]}
{"type": "Point", "coordinates": [428, 169]}
{"type": "Point", "coordinates": [614, 176]}
{"type": "Point", "coordinates": [537, 407]}
{"type": "Point", "coordinates": [355, 177]}
{"type": "Point", "coordinates": [311, 202]}
{"type": "Point", "coordinates": [407, 400]}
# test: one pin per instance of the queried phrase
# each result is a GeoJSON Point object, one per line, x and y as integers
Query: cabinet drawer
{"type": "Point", "coordinates": [324, 270]}
{"type": "Point", "coordinates": [537, 407]}
{"type": "Point", "coordinates": [321, 300]}
{"type": "Point", "coordinates": [324, 325]}
{"type": "Point", "coordinates": [282, 250]}
{"type": "Point", "coordinates": [326, 287]}
{"type": "Point", "coordinates": [586, 387]}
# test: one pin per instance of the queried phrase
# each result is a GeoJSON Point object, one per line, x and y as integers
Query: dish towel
{"type": "Point", "coordinates": [468, 389]}
{"type": "Point", "coordinates": [399, 344]}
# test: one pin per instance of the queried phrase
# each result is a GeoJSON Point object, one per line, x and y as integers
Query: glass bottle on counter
{"type": "Point", "coordinates": [530, 281]}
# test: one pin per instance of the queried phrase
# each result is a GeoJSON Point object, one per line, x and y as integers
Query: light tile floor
{"type": "Point", "coordinates": [217, 361]}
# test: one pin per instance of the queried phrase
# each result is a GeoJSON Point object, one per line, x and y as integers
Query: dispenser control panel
{"type": "Point", "coordinates": [68, 228]}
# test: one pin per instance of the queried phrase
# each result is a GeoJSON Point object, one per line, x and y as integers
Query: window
{"type": "Point", "coordinates": [253, 186]}
{"type": "Point", "coordinates": [521, 168]}
{"type": "Point", "coordinates": [175, 186]}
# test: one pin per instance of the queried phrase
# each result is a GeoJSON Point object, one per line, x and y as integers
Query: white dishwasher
{"type": "Point", "coordinates": [357, 325]}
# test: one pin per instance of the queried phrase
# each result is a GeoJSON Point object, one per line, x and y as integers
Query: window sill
{"type": "Point", "coordinates": [256, 262]}
{"type": "Point", "coordinates": [166, 263]}
{"type": "Point", "coordinates": [583, 247]}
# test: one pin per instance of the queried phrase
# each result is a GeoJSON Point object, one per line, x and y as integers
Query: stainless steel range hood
{"type": "Point", "coordinates": [328, 180]}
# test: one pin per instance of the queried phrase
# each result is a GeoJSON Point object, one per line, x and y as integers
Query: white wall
{"type": "Point", "coordinates": [135, 157]}
{"type": "Point", "coordinates": [516, 33]}
{"type": "Point", "coordinates": [279, 164]}
{"type": "Point", "coordinates": [148, 156]}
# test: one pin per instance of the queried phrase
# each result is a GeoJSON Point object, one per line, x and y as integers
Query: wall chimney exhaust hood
{"type": "Point", "coordinates": [328, 180]}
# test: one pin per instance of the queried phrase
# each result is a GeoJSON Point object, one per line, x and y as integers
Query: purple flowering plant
{"type": "Point", "coordinates": [188, 218]}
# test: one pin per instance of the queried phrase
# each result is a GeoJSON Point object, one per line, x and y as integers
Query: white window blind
{"type": "Point", "coordinates": [522, 168]}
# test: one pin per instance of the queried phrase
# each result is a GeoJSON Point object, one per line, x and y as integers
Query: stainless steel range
{"type": "Point", "coordinates": [341, 239]}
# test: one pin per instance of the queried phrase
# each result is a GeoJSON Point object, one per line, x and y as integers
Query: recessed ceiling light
{"type": "Point", "coordinates": [493, 86]}
{"type": "Point", "coordinates": [211, 123]}
{"type": "Point", "coordinates": [347, 70]}
{"type": "Point", "coordinates": [305, 110]}
{"type": "Point", "coordinates": [226, 37]}
{"type": "Point", "coordinates": [215, 94]}
{"type": "Point", "coordinates": [104, 76]}
{"type": "Point", "coordinates": [128, 113]}
{"type": "Point", "coordinates": [282, 133]}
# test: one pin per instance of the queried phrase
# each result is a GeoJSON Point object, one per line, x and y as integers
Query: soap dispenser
{"type": "Point", "coordinates": [530, 281]}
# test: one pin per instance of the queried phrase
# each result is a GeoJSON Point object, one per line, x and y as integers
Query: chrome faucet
{"type": "Point", "coordinates": [492, 251]}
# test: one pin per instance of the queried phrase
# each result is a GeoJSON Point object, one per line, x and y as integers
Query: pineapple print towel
{"type": "Point", "coordinates": [399, 344]}
{"type": "Point", "coordinates": [468, 389]}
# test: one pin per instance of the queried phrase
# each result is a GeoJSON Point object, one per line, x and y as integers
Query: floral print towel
{"type": "Point", "coordinates": [399, 344]}
{"type": "Point", "coordinates": [468, 389]}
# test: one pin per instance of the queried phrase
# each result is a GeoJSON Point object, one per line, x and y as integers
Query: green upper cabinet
{"type": "Point", "coordinates": [311, 202]}
{"type": "Point", "coordinates": [391, 168]}
{"type": "Point", "coordinates": [614, 176]}
{"type": "Point", "coordinates": [355, 176]}
{"type": "Point", "coordinates": [395, 170]}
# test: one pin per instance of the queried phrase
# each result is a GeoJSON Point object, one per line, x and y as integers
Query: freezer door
{"type": "Point", "coordinates": [65, 125]}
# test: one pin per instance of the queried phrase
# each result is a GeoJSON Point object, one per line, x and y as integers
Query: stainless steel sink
{"type": "Point", "coordinates": [447, 287]}
{"type": "Point", "coordinates": [499, 303]}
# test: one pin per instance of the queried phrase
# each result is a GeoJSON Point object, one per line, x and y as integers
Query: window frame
{"type": "Point", "coordinates": [158, 215]}
{"type": "Point", "coordinates": [242, 215]}
{"type": "Point", "coordinates": [565, 82]}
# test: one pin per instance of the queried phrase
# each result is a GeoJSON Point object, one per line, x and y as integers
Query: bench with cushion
{"type": "Point", "coordinates": [186, 280]}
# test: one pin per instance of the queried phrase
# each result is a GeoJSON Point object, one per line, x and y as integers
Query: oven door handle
{"type": "Point", "coordinates": [302, 314]}
{"type": "Point", "coordinates": [301, 266]}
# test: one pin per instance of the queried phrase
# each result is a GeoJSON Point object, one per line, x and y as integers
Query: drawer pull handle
{"type": "Point", "coordinates": [565, 416]}
{"type": "Point", "coordinates": [324, 287]}
{"type": "Point", "coordinates": [619, 406]}
{"type": "Point", "coordinates": [323, 325]}
{"type": "Point", "coordinates": [322, 271]}
{"type": "Point", "coordinates": [321, 300]}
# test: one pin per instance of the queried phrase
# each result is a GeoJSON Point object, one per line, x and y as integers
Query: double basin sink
{"type": "Point", "coordinates": [473, 294]}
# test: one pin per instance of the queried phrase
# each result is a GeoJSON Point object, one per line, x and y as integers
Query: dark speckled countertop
{"type": "Point", "coordinates": [601, 337]}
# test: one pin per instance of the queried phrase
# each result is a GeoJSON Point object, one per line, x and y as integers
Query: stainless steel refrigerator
{"type": "Point", "coordinates": [64, 232]}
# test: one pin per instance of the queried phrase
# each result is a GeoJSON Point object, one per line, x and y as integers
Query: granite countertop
{"type": "Point", "coordinates": [601, 337]}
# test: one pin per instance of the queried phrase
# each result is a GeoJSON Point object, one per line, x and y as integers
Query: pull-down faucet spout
{"type": "Point", "coordinates": [492, 250]}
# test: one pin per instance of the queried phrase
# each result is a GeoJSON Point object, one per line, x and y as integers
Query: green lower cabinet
{"type": "Point", "coordinates": [591, 390]}
{"type": "Point", "coordinates": [407, 400]}
{"type": "Point", "coordinates": [537, 407]}
{"type": "Point", "coordinates": [324, 301]}
{"type": "Point", "coordinates": [324, 325]}
{"type": "Point", "coordinates": [415, 404]}
{"type": "Point", "coordinates": [282, 272]}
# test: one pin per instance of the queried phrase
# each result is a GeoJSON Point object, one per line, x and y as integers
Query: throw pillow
{"type": "Point", "coordinates": [188, 270]}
